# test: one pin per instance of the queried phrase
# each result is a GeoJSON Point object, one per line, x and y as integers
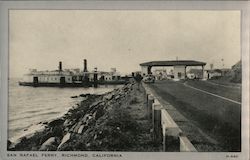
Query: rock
{"type": "Point", "coordinates": [87, 117]}
{"type": "Point", "coordinates": [9, 143]}
{"type": "Point", "coordinates": [78, 115]}
{"type": "Point", "coordinates": [45, 122]}
{"type": "Point", "coordinates": [45, 137]}
{"type": "Point", "coordinates": [64, 140]}
{"type": "Point", "coordinates": [77, 127]}
{"type": "Point", "coordinates": [80, 129]}
{"type": "Point", "coordinates": [50, 144]}
{"type": "Point", "coordinates": [56, 122]}
{"type": "Point", "coordinates": [34, 148]}
{"type": "Point", "coordinates": [66, 123]}
{"type": "Point", "coordinates": [94, 115]}
{"type": "Point", "coordinates": [98, 113]}
{"type": "Point", "coordinates": [73, 96]}
{"type": "Point", "coordinates": [88, 145]}
{"type": "Point", "coordinates": [126, 89]}
{"type": "Point", "coordinates": [84, 95]}
{"type": "Point", "coordinates": [57, 131]}
{"type": "Point", "coordinates": [72, 128]}
{"type": "Point", "coordinates": [90, 122]}
{"type": "Point", "coordinates": [108, 97]}
{"type": "Point", "coordinates": [95, 104]}
{"type": "Point", "coordinates": [117, 97]}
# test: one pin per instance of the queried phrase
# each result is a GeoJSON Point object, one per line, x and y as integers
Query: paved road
{"type": "Point", "coordinates": [223, 85]}
{"type": "Point", "coordinates": [226, 91]}
{"type": "Point", "coordinates": [209, 93]}
{"type": "Point", "coordinates": [217, 116]}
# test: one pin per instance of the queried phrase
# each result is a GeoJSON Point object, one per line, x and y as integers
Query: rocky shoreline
{"type": "Point", "coordinates": [114, 121]}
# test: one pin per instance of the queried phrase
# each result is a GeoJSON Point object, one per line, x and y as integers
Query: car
{"type": "Point", "coordinates": [149, 78]}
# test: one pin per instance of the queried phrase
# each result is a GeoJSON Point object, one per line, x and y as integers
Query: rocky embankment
{"type": "Point", "coordinates": [115, 121]}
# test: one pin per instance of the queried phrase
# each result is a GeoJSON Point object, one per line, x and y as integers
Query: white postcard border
{"type": "Point", "coordinates": [5, 6]}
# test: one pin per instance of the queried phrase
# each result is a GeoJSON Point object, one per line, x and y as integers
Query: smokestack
{"type": "Point", "coordinates": [60, 66]}
{"type": "Point", "coordinates": [85, 66]}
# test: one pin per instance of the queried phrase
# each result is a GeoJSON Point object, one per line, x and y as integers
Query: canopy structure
{"type": "Point", "coordinates": [179, 67]}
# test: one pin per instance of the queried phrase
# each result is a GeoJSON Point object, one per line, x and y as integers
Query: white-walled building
{"type": "Point", "coordinates": [179, 67]}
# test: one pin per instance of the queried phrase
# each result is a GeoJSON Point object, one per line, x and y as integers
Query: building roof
{"type": "Point", "coordinates": [174, 63]}
{"type": "Point", "coordinates": [237, 65]}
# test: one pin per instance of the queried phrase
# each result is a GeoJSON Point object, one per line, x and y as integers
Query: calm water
{"type": "Point", "coordinates": [29, 105]}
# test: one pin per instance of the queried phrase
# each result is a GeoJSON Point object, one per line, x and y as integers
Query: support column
{"type": "Point", "coordinates": [149, 69]}
{"type": "Point", "coordinates": [202, 72]}
{"type": "Point", "coordinates": [185, 72]}
{"type": "Point", "coordinates": [203, 78]}
{"type": "Point", "coordinates": [144, 70]}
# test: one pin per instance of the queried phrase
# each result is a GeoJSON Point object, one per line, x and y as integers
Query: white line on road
{"type": "Point", "coordinates": [185, 84]}
{"type": "Point", "coordinates": [238, 87]}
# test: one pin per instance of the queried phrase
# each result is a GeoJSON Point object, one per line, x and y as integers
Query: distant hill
{"type": "Point", "coordinates": [236, 73]}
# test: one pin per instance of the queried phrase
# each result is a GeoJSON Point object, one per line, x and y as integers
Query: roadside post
{"type": "Point", "coordinates": [150, 103]}
{"type": "Point", "coordinates": [157, 107]}
{"type": "Point", "coordinates": [171, 132]}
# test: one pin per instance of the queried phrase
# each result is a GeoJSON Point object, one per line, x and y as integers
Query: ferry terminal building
{"type": "Point", "coordinates": [180, 67]}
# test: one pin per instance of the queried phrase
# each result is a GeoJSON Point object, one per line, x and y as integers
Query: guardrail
{"type": "Point", "coordinates": [165, 130]}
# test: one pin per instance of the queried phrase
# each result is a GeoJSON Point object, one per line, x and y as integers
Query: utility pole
{"type": "Point", "coordinates": [222, 61]}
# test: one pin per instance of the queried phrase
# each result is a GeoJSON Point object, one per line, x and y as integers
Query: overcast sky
{"type": "Point", "coordinates": [121, 39]}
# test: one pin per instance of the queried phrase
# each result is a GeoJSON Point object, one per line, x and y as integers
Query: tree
{"type": "Point", "coordinates": [211, 66]}
{"type": "Point", "coordinates": [138, 78]}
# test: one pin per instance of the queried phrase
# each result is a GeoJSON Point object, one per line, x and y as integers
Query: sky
{"type": "Point", "coordinates": [120, 39]}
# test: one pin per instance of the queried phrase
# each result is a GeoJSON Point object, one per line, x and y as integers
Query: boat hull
{"type": "Point", "coordinates": [89, 84]}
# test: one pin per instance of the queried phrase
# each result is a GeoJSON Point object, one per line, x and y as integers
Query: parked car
{"type": "Point", "coordinates": [149, 78]}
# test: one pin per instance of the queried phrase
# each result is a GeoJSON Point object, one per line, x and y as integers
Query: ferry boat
{"type": "Point", "coordinates": [72, 77]}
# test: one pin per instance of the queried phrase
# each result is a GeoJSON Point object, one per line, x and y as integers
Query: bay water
{"type": "Point", "coordinates": [28, 105]}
